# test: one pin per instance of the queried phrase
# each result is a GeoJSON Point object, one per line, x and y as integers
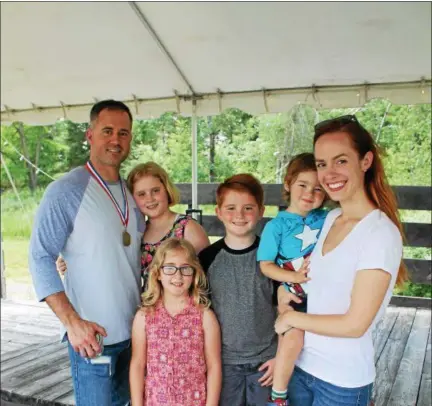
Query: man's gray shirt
{"type": "Point", "coordinates": [77, 219]}
{"type": "Point", "coordinates": [242, 298]}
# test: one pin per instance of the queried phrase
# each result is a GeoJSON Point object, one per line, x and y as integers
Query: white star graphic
{"type": "Point", "coordinates": [308, 237]}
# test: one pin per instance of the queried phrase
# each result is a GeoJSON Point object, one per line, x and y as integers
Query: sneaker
{"type": "Point", "coordinates": [278, 402]}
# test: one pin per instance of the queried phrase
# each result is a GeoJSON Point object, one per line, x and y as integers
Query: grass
{"type": "Point", "coordinates": [16, 260]}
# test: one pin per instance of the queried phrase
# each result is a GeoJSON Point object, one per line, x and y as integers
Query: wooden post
{"type": "Point", "coordinates": [2, 271]}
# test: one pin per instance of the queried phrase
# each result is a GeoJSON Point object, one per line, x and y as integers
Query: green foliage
{"type": "Point", "coordinates": [262, 144]}
{"type": "Point", "coordinates": [17, 214]}
{"type": "Point", "coordinates": [72, 137]}
{"type": "Point", "coordinates": [55, 149]}
{"type": "Point", "coordinates": [414, 289]}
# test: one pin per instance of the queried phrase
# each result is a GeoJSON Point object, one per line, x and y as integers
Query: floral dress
{"type": "Point", "coordinates": [176, 368]}
{"type": "Point", "coordinates": [148, 250]}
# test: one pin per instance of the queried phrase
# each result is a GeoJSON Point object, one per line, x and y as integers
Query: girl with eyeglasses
{"type": "Point", "coordinates": [176, 347]}
{"type": "Point", "coordinates": [353, 269]}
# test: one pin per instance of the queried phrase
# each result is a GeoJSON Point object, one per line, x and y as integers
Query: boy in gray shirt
{"type": "Point", "coordinates": [242, 297]}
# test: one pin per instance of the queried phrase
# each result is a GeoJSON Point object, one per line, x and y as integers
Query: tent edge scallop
{"type": "Point", "coordinates": [253, 102]}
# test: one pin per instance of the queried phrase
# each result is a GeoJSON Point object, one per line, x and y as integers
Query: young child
{"type": "Point", "coordinates": [175, 337]}
{"type": "Point", "coordinates": [155, 194]}
{"type": "Point", "coordinates": [286, 241]}
{"type": "Point", "coordinates": [241, 295]}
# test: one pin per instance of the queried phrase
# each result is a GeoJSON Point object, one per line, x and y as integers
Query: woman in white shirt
{"type": "Point", "coordinates": [354, 267]}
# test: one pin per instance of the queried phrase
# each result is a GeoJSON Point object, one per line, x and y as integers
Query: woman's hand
{"type": "Point", "coordinates": [285, 298]}
{"type": "Point", "coordinates": [282, 324]}
{"type": "Point", "coordinates": [61, 266]}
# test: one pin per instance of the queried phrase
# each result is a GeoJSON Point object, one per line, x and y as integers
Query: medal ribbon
{"type": "Point", "coordinates": [124, 216]}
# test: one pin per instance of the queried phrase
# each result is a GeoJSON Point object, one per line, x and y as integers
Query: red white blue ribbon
{"type": "Point", "coordinates": [124, 215]}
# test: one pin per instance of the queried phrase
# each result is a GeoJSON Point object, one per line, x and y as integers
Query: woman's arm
{"type": "Point", "coordinates": [196, 235]}
{"type": "Point", "coordinates": [369, 290]}
{"type": "Point", "coordinates": [139, 360]}
{"type": "Point", "coordinates": [212, 351]}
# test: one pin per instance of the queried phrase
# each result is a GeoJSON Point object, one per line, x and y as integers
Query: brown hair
{"type": "Point", "coordinates": [153, 169]}
{"type": "Point", "coordinates": [109, 105]}
{"type": "Point", "coordinates": [304, 162]}
{"type": "Point", "coordinates": [198, 288]}
{"type": "Point", "coordinates": [243, 182]}
{"type": "Point", "coordinates": [377, 187]}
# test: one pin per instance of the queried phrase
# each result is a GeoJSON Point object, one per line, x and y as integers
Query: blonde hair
{"type": "Point", "coordinates": [153, 169]}
{"type": "Point", "coordinates": [198, 288]}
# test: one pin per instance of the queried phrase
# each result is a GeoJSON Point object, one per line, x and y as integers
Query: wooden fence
{"type": "Point", "coordinates": [409, 198]}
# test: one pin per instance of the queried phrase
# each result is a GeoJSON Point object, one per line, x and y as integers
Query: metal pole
{"type": "Point", "coordinates": [194, 157]}
{"type": "Point", "coordinates": [2, 271]}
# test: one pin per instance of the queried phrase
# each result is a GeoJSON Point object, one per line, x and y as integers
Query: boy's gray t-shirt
{"type": "Point", "coordinates": [242, 298]}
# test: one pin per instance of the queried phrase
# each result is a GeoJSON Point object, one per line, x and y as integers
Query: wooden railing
{"type": "Point", "coordinates": [409, 198]}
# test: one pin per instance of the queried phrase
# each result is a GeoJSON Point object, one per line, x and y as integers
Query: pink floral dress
{"type": "Point", "coordinates": [176, 368]}
{"type": "Point", "coordinates": [148, 250]}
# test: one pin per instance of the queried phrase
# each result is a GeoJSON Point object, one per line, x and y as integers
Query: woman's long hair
{"type": "Point", "coordinates": [377, 187]}
{"type": "Point", "coordinates": [198, 288]}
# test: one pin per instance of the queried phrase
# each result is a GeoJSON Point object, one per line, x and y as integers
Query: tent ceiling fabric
{"type": "Point", "coordinates": [57, 58]}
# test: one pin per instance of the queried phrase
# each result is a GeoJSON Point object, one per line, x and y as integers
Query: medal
{"type": "Point", "coordinates": [126, 238]}
{"type": "Point", "coordinates": [124, 215]}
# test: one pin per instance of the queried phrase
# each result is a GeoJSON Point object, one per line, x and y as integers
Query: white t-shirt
{"type": "Point", "coordinates": [374, 243]}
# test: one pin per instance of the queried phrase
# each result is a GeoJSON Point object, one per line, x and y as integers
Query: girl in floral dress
{"type": "Point", "coordinates": [155, 194]}
{"type": "Point", "coordinates": [176, 357]}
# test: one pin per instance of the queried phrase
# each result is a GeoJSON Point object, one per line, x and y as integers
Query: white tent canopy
{"type": "Point", "coordinates": [58, 58]}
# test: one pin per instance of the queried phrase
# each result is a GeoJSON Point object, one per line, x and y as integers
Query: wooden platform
{"type": "Point", "coordinates": [35, 367]}
{"type": "Point", "coordinates": [24, 323]}
{"type": "Point", "coordinates": [34, 364]}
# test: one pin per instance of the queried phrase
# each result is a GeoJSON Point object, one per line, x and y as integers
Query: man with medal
{"type": "Point", "coordinates": [91, 218]}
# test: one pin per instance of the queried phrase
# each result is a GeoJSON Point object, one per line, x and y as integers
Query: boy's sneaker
{"type": "Point", "coordinates": [278, 402]}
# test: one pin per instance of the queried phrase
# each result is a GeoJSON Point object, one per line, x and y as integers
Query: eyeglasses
{"type": "Point", "coordinates": [185, 270]}
{"type": "Point", "coordinates": [341, 121]}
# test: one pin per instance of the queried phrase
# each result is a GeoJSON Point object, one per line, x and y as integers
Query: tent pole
{"type": "Point", "coordinates": [194, 157]}
{"type": "Point", "coordinates": [2, 264]}
{"type": "Point", "coordinates": [2, 271]}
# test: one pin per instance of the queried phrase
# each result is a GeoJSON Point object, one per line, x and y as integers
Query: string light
{"type": "Point", "coordinates": [22, 157]}
{"type": "Point", "coordinates": [26, 213]}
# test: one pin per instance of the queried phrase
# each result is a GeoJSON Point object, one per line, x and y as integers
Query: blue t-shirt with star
{"type": "Point", "coordinates": [290, 236]}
